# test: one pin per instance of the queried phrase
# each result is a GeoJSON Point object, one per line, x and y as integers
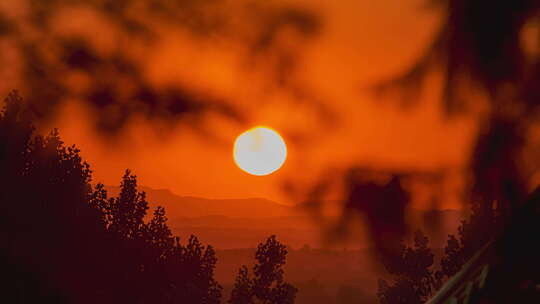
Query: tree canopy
{"type": "Point", "coordinates": [65, 240]}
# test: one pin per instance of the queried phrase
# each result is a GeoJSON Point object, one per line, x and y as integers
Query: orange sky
{"type": "Point", "coordinates": [361, 42]}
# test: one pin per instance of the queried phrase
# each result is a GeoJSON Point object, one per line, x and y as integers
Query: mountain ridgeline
{"type": "Point", "coordinates": [242, 223]}
{"type": "Point", "coordinates": [189, 206]}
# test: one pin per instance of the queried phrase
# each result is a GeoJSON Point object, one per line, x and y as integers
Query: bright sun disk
{"type": "Point", "coordinates": [259, 151]}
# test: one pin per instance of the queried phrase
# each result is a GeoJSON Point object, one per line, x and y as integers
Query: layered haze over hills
{"type": "Point", "coordinates": [244, 222]}
{"type": "Point", "coordinates": [233, 223]}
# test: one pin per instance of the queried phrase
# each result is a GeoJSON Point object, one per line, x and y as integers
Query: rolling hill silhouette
{"type": "Point", "coordinates": [243, 223]}
{"type": "Point", "coordinates": [189, 206]}
{"type": "Point", "coordinates": [232, 223]}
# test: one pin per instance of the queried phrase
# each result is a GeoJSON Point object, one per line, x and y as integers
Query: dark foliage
{"type": "Point", "coordinates": [383, 207]}
{"type": "Point", "coordinates": [480, 51]}
{"type": "Point", "coordinates": [479, 47]}
{"type": "Point", "coordinates": [416, 278]}
{"type": "Point", "coordinates": [478, 44]}
{"type": "Point", "coordinates": [50, 57]}
{"type": "Point", "coordinates": [64, 241]}
{"type": "Point", "coordinates": [413, 278]}
{"type": "Point", "coordinates": [473, 234]}
{"type": "Point", "coordinates": [242, 292]}
{"type": "Point", "coordinates": [267, 285]}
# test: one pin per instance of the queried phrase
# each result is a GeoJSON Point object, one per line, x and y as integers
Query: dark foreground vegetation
{"type": "Point", "coordinates": [66, 241]}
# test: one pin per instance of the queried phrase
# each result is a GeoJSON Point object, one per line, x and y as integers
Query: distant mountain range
{"type": "Point", "coordinates": [188, 206]}
{"type": "Point", "coordinates": [243, 223]}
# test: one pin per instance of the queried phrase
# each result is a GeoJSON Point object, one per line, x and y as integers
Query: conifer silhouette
{"type": "Point", "coordinates": [267, 285]}
{"type": "Point", "coordinates": [65, 241]}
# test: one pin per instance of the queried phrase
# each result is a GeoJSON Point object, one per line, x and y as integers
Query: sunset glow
{"type": "Point", "coordinates": [260, 151]}
{"type": "Point", "coordinates": [278, 151]}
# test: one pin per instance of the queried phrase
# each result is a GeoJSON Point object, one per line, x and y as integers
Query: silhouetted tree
{"type": "Point", "coordinates": [66, 241]}
{"type": "Point", "coordinates": [48, 232]}
{"type": "Point", "coordinates": [99, 202]}
{"type": "Point", "coordinates": [414, 280]}
{"type": "Point", "coordinates": [196, 269]}
{"type": "Point", "coordinates": [159, 234]}
{"type": "Point", "coordinates": [242, 292]}
{"type": "Point", "coordinates": [267, 285]}
{"type": "Point", "coordinates": [473, 234]}
{"type": "Point", "coordinates": [453, 259]}
{"type": "Point", "coordinates": [129, 209]}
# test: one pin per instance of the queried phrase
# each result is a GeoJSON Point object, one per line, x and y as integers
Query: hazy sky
{"type": "Point", "coordinates": [361, 42]}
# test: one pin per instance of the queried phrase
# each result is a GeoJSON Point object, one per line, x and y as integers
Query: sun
{"type": "Point", "coordinates": [259, 151]}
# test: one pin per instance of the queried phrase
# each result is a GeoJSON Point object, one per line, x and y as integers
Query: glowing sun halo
{"type": "Point", "coordinates": [259, 151]}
